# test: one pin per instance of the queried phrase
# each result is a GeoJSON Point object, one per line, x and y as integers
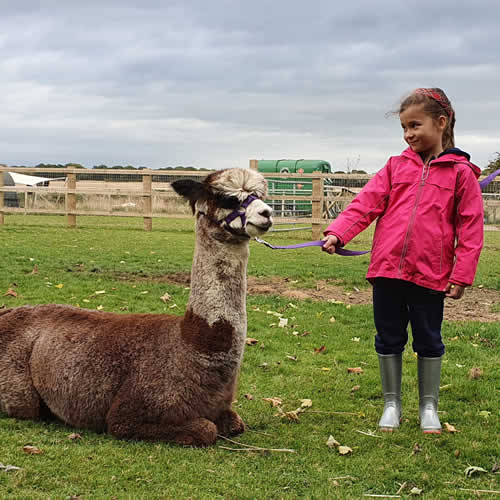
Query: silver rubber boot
{"type": "Point", "coordinates": [390, 374]}
{"type": "Point", "coordinates": [429, 376]}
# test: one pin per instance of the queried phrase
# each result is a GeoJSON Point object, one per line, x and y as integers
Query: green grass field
{"type": "Point", "coordinates": [44, 262]}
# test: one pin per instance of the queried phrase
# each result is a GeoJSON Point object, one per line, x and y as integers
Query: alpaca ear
{"type": "Point", "coordinates": [188, 189]}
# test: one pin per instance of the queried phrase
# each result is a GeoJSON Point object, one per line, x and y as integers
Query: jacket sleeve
{"type": "Point", "coordinates": [364, 208]}
{"type": "Point", "coordinates": [469, 228]}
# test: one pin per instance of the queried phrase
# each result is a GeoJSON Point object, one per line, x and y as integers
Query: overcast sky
{"type": "Point", "coordinates": [161, 83]}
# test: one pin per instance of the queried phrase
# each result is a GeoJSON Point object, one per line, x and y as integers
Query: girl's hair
{"type": "Point", "coordinates": [435, 104]}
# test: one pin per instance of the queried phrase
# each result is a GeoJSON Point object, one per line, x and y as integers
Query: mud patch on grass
{"type": "Point", "coordinates": [475, 305]}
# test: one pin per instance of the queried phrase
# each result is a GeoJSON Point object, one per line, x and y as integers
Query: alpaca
{"type": "Point", "coordinates": [150, 377]}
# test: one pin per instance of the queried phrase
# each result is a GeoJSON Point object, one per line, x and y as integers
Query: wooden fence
{"type": "Point", "coordinates": [144, 186]}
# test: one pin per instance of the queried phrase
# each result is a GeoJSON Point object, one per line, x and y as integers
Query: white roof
{"type": "Point", "coordinates": [29, 180]}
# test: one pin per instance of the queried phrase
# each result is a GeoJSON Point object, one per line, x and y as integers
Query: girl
{"type": "Point", "coordinates": [426, 246]}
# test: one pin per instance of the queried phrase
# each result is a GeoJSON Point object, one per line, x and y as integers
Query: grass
{"type": "Point", "coordinates": [117, 256]}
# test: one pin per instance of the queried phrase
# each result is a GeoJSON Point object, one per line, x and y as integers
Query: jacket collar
{"type": "Point", "coordinates": [449, 156]}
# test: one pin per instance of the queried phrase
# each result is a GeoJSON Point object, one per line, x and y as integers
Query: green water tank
{"type": "Point", "coordinates": [294, 166]}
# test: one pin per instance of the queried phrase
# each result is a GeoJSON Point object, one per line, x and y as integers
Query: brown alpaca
{"type": "Point", "coordinates": [148, 376]}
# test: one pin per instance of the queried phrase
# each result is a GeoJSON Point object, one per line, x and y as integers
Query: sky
{"type": "Point", "coordinates": [212, 84]}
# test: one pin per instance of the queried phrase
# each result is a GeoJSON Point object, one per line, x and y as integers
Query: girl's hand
{"type": "Point", "coordinates": [331, 242]}
{"type": "Point", "coordinates": [454, 291]}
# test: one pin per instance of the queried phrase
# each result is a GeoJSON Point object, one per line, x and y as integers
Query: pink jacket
{"type": "Point", "coordinates": [430, 219]}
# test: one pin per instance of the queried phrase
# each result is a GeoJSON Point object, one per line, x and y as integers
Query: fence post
{"type": "Point", "coordinates": [71, 199]}
{"type": "Point", "coordinates": [317, 205]}
{"type": "Point", "coordinates": [1, 199]}
{"type": "Point", "coordinates": [254, 165]}
{"type": "Point", "coordinates": [148, 205]}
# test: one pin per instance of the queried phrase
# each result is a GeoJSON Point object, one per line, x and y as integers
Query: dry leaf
{"type": "Point", "coordinates": [274, 401]}
{"type": "Point", "coordinates": [74, 436]}
{"type": "Point", "coordinates": [324, 369]}
{"type": "Point", "coordinates": [355, 388]}
{"type": "Point", "coordinates": [450, 428]}
{"type": "Point", "coordinates": [416, 491]}
{"type": "Point", "coordinates": [332, 320]}
{"type": "Point", "coordinates": [355, 339]}
{"type": "Point", "coordinates": [292, 358]}
{"type": "Point", "coordinates": [293, 416]}
{"type": "Point", "coordinates": [358, 370]}
{"type": "Point", "coordinates": [35, 269]}
{"type": "Point", "coordinates": [32, 450]}
{"type": "Point", "coordinates": [475, 373]}
{"type": "Point", "coordinates": [470, 471]}
{"type": "Point", "coordinates": [10, 292]}
{"type": "Point", "coordinates": [251, 341]}
{"type": "Point", "coordinates": [456, 453]}
{"type": "Point", "coordinates": [306, 403]}
{"type": "Point", "coordinates": [344, 450]}
{"type": "Point", "coordinates": [99, 292]}
{"type": "Point", "coordinates": [416, 449]}
{"type": "Point", "coordinates": [60, 285]}
{"type": "Point", "coordinates": [319, 350]}
{"type": "Point", "coordinates": [8, 468]}
{"type": "Point", "coordinates": [332, 442]}
{"type": "Point", "coordinates": [165, 298]}
{"type": "Point", "coordinates": [283, 322]}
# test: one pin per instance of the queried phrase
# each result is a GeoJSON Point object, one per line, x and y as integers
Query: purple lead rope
{"type": "Point", "coordinates": [319, 243]}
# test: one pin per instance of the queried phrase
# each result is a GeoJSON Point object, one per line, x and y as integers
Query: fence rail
{"type": "Point", "coordinates": [312, 198]}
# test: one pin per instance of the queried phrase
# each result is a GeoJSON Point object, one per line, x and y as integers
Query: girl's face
{"type": "Point", "coordinates": [422, 132]}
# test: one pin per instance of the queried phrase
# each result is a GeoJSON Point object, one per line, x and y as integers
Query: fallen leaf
{"type": "Point", "coordinates": [74, 436]}
{"type": "Point", "coordinates": [292, 358]}
{"type": "Point", "coordinates": [470, 471]}
{"type": "Point", "coordinates": [456, 453]}
{"type": "Point", "coordinates": [251, 341]}
{"type": "Point", "coordinates": [319, 350]}
{"type": "Point", "coordinates": [306, 403]}
{"type": "Point", "coordinates": [10, 292]}
{"type": "Point", "coordinates": [475, 373]}
{"type": "Point", "coordinates": [274, 401]}
{"type": "Point", "coordinates": [416, 491]}
{"type": "Point", "coordinates": [332, 442]}
{"type": "Point", "coordinates": [99, 292]}
{"type": "Point", "coordinates": [324, 369]}
{"type": "Point", "coordinates": [332, 320]}
{"type": "Point", "coordinates": [32, 450]}
{"type": "Point", "coordinates": [357, 370]}
{"type": "Point", "coordinates": [35, 269]}
{"type": "Point", "coordinates": [484, 413]}
{"type": "Point", "coordinates": [60, 285]}
{"type": "Point", "coordinates": [450, 428]}
{"type": "Point", "coordinates": [248, 396]}
{"type": "Point", "coordinates": [495, 468]}
{"type": "Point", "coordinates": [100, 307]}
{"type": "Point", "coordinates": [355, 339]}
{"type": "Point", "coordinates": [8, 468]}
{"type": "Point", "coordinates": [293, 416]}
{"type": "Point", "coordinates": [355, 388]}
{"type": "Point", "coordinates": [416, 449]}
{"type": "Point", "coordinates": [282, 322]}
{"type": "Point", "coordinates": [165, 298]}
{"type": "Point", "coordinates": [344, 450]}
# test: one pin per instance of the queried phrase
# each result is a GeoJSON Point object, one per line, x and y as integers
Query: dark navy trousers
{"type": "Point", "coordinates": [397, 303]}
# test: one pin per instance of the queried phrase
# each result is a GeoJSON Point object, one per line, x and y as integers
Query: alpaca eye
{"type": "Point", "coordinates": [230, 202]}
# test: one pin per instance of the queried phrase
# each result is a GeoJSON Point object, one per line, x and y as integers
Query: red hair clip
{"type": "Point", "coordinates": [437, 97]}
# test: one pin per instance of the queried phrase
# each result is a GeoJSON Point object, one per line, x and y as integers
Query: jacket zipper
{"type": "Point", "coordinates": [425, 173]}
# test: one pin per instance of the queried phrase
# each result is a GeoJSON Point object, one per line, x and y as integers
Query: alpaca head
{"type": "Point", "coordinates": [230, 200]}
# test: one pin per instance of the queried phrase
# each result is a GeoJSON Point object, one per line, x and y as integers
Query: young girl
{"type": "Point", "coordinates": [426, 246]}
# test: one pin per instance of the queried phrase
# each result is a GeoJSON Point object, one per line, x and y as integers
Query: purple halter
{"type": "Point", "coordinates": [236, 213]}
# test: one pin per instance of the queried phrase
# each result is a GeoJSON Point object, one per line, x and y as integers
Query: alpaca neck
{"type": "Point", "coordinates": [218, 280]}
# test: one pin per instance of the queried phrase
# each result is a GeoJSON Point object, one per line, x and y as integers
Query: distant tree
{"type": "Point", "coordinates": [73, 165]}
{"type": "Point", "coordinates": [100, 166]}
{"type": "Point", "coordinates": [358, 172]}
{"type": "Point", "coordinates": [492, 166]}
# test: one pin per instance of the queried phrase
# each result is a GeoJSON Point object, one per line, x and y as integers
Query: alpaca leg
{"type": "Point", "coordinates": [18, 397]}
{"type": "Point", "coordinates": [229, 423]}
{"type": "Point", "coordinates": [129, 419]}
